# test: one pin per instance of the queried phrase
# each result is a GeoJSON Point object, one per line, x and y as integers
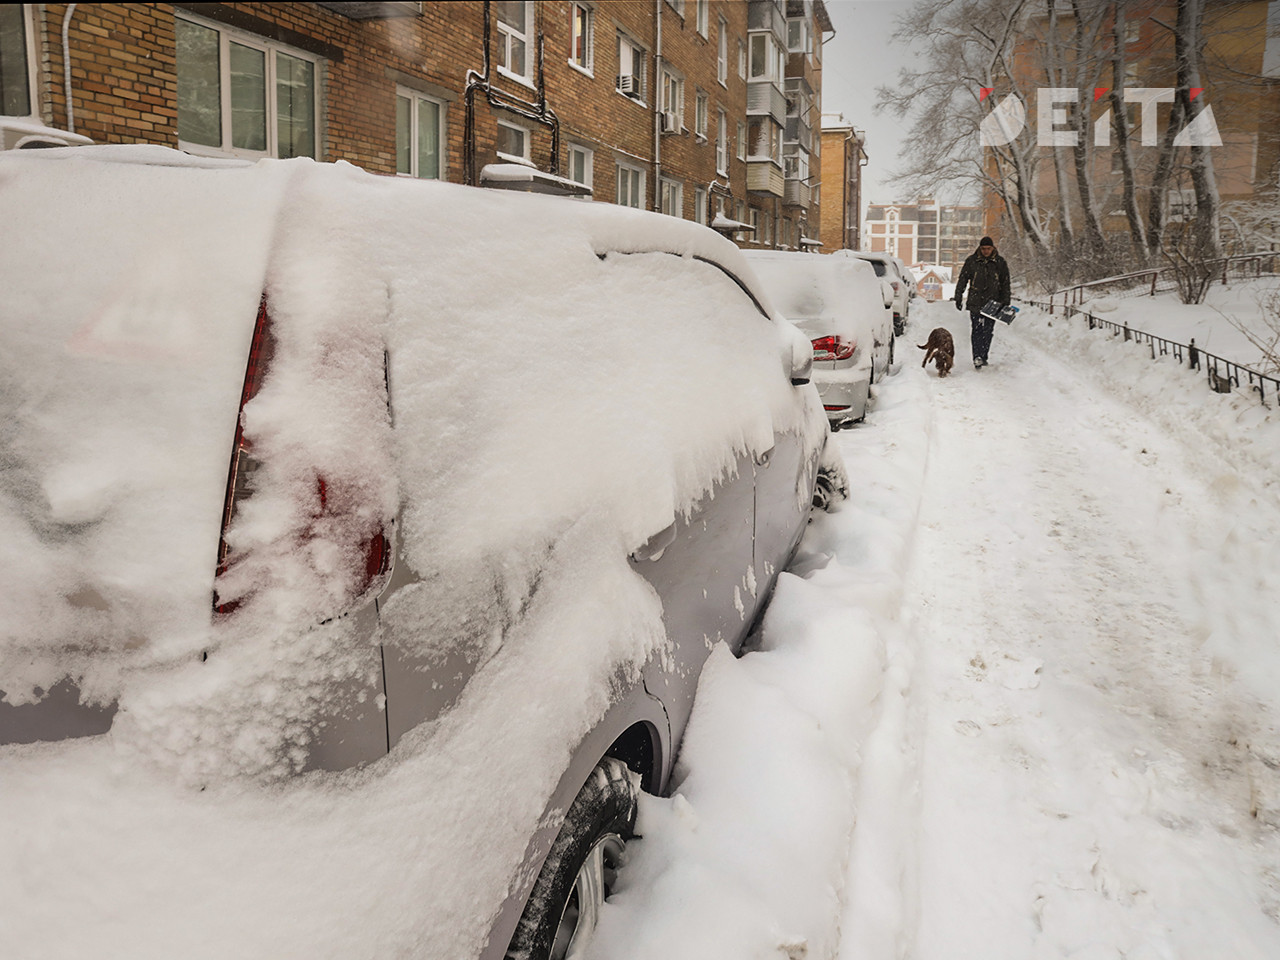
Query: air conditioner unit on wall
{"type": "Point", "coordinates": [670, 122]}
{"type": "Point", "coordinates": [627, 84]}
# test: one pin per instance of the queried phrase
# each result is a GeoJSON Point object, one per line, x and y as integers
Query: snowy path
{"type": "Point", "coordinates": [1093, 783]}
{"type": "Point", "coordinates": [1016, 701]}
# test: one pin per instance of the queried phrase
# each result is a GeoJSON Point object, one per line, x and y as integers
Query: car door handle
{"type": "Point", "coordinates": [653, 547]}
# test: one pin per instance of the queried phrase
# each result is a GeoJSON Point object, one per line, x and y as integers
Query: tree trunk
{"type": "Point", "coordinates": [1120, 123]}
{"type": "Point", "coordinates": [1189, 47]}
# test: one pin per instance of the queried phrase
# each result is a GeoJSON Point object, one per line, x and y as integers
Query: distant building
{"type": "Point", "coordinates": [929, 280]}
{"type": "Point", "coordinates": [925, 231]}
{"type": "Point", "coordinates": [844, 154]}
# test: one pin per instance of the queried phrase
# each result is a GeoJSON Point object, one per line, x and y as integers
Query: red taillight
{"type": "Point", "coordinates": [239, 487]}
{"type": "Point", "coordinates": [895, 285]}
{"type": "Point", "coordinates": [833, 348]}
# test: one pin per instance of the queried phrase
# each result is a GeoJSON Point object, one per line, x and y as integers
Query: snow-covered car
{"type": "Point", "coordinates": [350, 594]}
{"type": "Point", "coordinates": [908, 278]}
{"type": "Point", "coordinates": [886, 268]}
{"type": "Point", "coordinates": [836, 302]}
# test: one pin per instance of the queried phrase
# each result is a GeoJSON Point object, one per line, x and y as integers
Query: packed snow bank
{"type": "Point", "coordinates": [749, 857]}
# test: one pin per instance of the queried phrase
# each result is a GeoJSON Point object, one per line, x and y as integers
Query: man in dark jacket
{"type": "Point", "coordinates": [986, 274]}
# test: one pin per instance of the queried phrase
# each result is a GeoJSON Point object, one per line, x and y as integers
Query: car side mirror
{"type": "Point", "coordinates": [799, 358]}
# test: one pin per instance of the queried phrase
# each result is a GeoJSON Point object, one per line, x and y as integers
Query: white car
{"type": "Point", "coordinates": [906, 274]}
{"type": "Point", "coordinates": [837, 303]}
{"type": "Point", "coordinates": [362, 540]}
{"type": "Point", "coordinates": [886, 266]}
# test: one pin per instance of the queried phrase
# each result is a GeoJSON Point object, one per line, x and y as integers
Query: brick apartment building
{"type": "Point", "coordinates": [690, 107]}
{"type": "Point", "coordinates": [844, 154]}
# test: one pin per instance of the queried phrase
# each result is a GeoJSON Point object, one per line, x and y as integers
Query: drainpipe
{"type": "Point", "coordinates": [657, 105]}
{"type": "Point", "coordinates": [66, 65]}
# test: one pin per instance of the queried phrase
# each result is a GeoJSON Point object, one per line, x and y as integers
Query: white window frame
{"type": "Point", "coordinates": [413, 96]}
{"type": "Point", "coordinates": [634, 50]}
{"type": "Point", "coordinates": [742, 140]}
{"type": "Point", "coordinates": [700, 205]}
{"type": "Point", "coordinates": [702, 16]}
{"type": "Point", "coordinates": [701, 113]}
{"type": "Point", "coordinates": [227, 36]}
{"type": "Point", "coordinates": [526, 134]}
{"type": "Point", "coordinates": [722, 143]}
{"type": "Point", "coordinates": [32, 54]}
{"type": "Point", "coordinates": [722, 52]}
{"type": "Point", "coordinates": [588, 163]}
{"type": "Point", "coordinates": [753, 219]}
{"type": "Point", "coordinates": [806, 35]}
{"type": "Point", "coordinates": [506, 34]}
{"type": "Point", "coordinates": [587, 64]}
{"type": "Point", "coordinates": [677, 6]}
{"type": "Point", "coordinates": [742, 60]}
{"type": "Point", "coordinates": [671, 197]}
{"type": "Point", "coordinates": [671, 95]}
{"type": "Point", "coordinates": [635, 180]}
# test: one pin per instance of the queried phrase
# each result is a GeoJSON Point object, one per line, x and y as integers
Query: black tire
{"type": "Point", "coordinates": [579, 872]}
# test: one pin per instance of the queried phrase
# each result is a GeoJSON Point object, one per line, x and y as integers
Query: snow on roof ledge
{"type": "Point", "coordinates": [810, 242]}
{"type": "Point", "coordinates": [517, 176]}
{"type": "Point", "coordinates": [721, 222]}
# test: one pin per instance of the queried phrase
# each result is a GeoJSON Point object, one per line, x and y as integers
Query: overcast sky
{"type": "Point", "coordinates": [858, 59]}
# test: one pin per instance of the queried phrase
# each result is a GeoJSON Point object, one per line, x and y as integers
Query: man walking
{"type": "Point", "coordinates": [986, 274]}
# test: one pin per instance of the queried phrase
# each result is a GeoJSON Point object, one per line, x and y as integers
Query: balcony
{"type": "Point", "coordinates": [768, 15]}
{"type": "Point", "coordinates": [764, 176]}
{"type": "Point", "coordinates": [765, 99]}
{"type": "Point", "coordinates": [797, 193]}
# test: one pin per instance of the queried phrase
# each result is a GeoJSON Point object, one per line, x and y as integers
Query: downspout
{"type": "Point", "coordinates": [66, 65]}
{"type": "Point", "coordinates": [657, 104]}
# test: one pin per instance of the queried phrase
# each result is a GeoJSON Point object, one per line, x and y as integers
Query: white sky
{"type": "Point", "coordinates": [857, 60]}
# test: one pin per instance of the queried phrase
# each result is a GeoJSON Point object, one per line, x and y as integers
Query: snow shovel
{"type": "Point", "coordinates": [995, 310]}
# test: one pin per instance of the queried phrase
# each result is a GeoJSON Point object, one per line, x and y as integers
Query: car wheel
{"type": "Point", "coordinates": [579, 872]}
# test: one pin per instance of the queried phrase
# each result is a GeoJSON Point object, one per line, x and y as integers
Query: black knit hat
{"type": "Point", "coordinates": [985, 242]}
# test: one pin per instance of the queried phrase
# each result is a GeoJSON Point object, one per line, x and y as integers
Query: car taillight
{"type": "Point", "coordinates": [833, 348]}
{"type": "Point", "coordinates": [243, 465]}
{"type": "Point", "coordinates": [895, 285]}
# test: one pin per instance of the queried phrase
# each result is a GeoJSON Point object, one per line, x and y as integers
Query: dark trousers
{"type": "Point", "coordinates": [981, 329]}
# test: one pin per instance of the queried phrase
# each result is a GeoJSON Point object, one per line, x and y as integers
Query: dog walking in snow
{"type": "Point", "coordinates": [941, 348]}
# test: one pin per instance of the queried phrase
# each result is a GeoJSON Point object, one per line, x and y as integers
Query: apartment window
{"type": "Point", "coordinates": [677, 6]}
{"type": "Point", "coordinates": [515, 31]}
{"type": "Point", "coordinates": [17, 57]}
{"type": "Point", "coordinates": [582, 37]}
{"type": "Point", "coordinates": [722, 144]}
{"type": "Point", "coordinates": [671, 197]}
{"type": "Point", "coordinates": [702, 108]}
{"type": "Point", "coordinates": [513, 143]}
{"type": "Point", "coordinates": [703, 16]}
{"type": "Point", "coordinates": [722, 52]}
{"type": "Point", "coordinates": [630, 186]}
{"type": "Point", "coordinates": [631, 68]}
{"type": "Point", "coordinates": [673, 97]}
{"type": "Point", "coordinates": [420, 135]}
{"type": "Point", "coordinates": [700, 205]}
{"type": "Point", "coordinates": [742, 140]}
{"type": "Point", "coordinates": [753, 218]}
{"type": "Point", "coordinates": [799, 39]}
{"type": "Point", "coordinates": [768, 60]}
{"type": "Point", "coordinates": [241, 94]}
{"type": "Point", "coordinates": [581, 161]}
{"type": "Point", "coordinates": [742, 60]}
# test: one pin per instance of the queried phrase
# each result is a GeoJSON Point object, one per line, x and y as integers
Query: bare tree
{"type": "Point", "coordinates": [1120, 124]}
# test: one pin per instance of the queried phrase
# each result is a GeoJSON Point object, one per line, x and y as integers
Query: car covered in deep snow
{"type": "Point", "coordinates": [363, 541]}
{"type": "Point", "coordinates": [836, 302]}
{"type": "Point", "coordinates": [886, 267]}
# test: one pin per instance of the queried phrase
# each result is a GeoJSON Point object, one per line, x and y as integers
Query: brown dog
{"type": "Point", "coordinates": [941, 349]}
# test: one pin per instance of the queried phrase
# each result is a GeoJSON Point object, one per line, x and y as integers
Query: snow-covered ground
{"type": "Point", "coordinates": [1017, 700]}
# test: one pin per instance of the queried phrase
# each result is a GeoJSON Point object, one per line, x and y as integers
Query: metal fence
{"type": "Point", "coordinates": [1223, 375]}
{"type": "Point", "coordinates": [1147, 283]}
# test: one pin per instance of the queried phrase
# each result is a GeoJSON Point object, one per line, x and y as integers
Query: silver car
{"type": "Point", "coordinates": [836, 302]}
{"type": "Point", "coordinates": [364, 542]}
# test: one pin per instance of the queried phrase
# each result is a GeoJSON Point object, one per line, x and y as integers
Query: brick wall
{"type": "Point", "coordinates": [124, 80]}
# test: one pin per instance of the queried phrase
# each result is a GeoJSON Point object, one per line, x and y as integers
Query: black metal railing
{"type": "Point", "coordinates": [1222, 374]}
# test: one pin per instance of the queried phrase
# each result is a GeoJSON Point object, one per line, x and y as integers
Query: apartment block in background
{"type": "Point", "coordinates": [688, 107]}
